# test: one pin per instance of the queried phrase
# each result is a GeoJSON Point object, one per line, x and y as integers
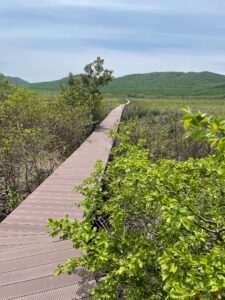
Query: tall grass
{"type": "Point", "coordinates": [141, 107]}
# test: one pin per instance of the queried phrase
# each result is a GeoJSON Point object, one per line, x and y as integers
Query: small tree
{"type": "Point", "coordinates": [85, 90]}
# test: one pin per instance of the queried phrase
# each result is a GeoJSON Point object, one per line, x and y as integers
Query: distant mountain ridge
{"type": "Point", "coordinates": [45, 85]}
{"type": "Point", "coordinates": [157, 84]}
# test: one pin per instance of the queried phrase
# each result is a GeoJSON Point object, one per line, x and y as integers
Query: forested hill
{"type": "Point", "coordinates": [151, 84]}
{"type": "Point", "coordinates": [169, 84]}
{"type": "Point", "coordinates": [53, 86]}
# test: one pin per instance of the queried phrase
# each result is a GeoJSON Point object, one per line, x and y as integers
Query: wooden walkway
{"type": "Point", "coordinates": [28, 256]}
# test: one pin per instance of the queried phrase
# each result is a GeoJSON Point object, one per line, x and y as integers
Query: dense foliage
{"type": "Point", "coordinates": [36, 135]}
{"type": "Point", "coordinates": [154, 230]}
{"type": "Point", "coordinates": [6, 88]}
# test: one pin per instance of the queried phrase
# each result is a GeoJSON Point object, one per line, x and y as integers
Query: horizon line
{"type": "Point", "coordinates": [114, 77]}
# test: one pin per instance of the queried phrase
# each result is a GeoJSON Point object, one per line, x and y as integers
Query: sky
{"type": "Point", "coordinates": [43, 40]}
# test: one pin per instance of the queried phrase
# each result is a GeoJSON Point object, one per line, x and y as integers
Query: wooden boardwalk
{"type": "Point", "coordinates": [28, 256]}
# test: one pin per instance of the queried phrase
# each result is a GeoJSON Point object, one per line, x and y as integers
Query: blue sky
{"type": "Point", "coordinates": [46, 39]}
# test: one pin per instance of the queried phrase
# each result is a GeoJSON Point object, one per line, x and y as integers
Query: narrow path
{"type": "Point", "coordinates": [28, 256]}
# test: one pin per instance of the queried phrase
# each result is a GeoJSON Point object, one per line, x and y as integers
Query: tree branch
{"type": "Point", "coordinates": [201, 218]}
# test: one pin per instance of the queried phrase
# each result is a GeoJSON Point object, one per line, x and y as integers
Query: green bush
{"type": "Point", "coordinates": [6, 88]}
{"type": "Point", "coordinates": [36, 136]}
{"type": "Point", "coordinates": [153, 230]}
{"type": "Point", "coordinates": [38, 133]}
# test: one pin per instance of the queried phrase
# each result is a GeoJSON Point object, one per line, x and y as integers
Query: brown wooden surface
{"type": "Point", "coordinates": [28, 256]}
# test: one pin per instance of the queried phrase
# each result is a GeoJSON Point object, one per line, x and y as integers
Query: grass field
{"type": "Point", "coordinates": [143, 106]}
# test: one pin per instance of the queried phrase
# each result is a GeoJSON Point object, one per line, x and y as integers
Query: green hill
{"type": "Point", "coordinates": [18, 81]}
{"type": "Point", "coordinates": [158, 84]}
{"type": "Point", "coordinates": [169, 84]}
{"type": "Point", "coordinates": [49, 85]}
{"type": "Point", "coordinates": [53, 86]}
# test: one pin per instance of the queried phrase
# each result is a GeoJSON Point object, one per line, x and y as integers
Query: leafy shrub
{"type": "Point", "coordinates": [6, 88]}
{"type": "Point", "coordinates": [153, 230]}
{"type": "Point", "coordinates": [35, 137]}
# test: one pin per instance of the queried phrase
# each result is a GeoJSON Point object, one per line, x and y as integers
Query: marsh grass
{"type": "Point", "coordinates": [142, 106]}
{"type": "Point", "coordinates": [159, 122]}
